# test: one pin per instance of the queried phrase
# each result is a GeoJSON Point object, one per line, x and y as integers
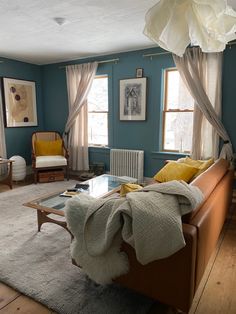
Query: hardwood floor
{"type": "Point", "coordinates": [215, 295]}
{"type": "Point", "coordinates": [12, 302]}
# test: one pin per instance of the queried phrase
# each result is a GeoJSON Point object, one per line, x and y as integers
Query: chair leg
{"type": "Point", "coordinates": [67, 172]}
{"type": "Point", "coordinates": [35, 176]}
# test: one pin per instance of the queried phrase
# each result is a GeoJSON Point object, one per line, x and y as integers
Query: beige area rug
{"type": "Point", "coordinates": [38, 264]}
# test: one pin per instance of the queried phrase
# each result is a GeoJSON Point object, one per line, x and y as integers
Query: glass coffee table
{"type": "Point", "coordinates": [98, 187]}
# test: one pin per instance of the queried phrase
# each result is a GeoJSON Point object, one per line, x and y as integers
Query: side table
{"type": "Point", "coordinates": [8, 179]}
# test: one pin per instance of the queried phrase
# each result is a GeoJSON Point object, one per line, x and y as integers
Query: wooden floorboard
{"type": "Point", "coordinates": [219, 295]}
{"type": "Point", "coordinates": [208, 270]}
{"type": "Point", "coordinates": [7, 295]}
{"type": "Point", "coordinates": [25, 305]}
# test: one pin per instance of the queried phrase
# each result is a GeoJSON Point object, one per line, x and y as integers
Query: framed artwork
{"type": "Point", "coordinates": [133, 99]}
{"type": "Point", "coordinates": [19, 99]}
{"type": "Point", "coordinates": [139, 72]}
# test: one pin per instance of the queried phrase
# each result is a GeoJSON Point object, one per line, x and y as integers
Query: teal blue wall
{"type": "Point", "coordinates": [144, 135]}
{"type": "Point", "coordinates": [122, 134]}
{"type": "Point", "coordinates": [18, 140]}
{"type": "Point", "coordinates": [52, 106]}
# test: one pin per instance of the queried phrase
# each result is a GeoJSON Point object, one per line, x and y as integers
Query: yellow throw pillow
{"type": "Point", "coordinates": [176, 171]}
{"type": "Point", "coordinates": [48, 148]}
{"type": "Point", "coordinates": [192, 162]}
{"type": "Point", "coordinates": [202, 165]}
{"type": "Point", "coordinates": [129, 187]}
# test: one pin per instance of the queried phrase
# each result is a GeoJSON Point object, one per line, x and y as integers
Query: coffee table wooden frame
{"type": "Point", "coordinates": [43, 211]}
{"type": "Point", "coordinates": [8, 179]}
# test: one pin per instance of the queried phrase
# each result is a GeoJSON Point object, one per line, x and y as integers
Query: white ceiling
{"type": "Point", "coordinates": [93, 27]}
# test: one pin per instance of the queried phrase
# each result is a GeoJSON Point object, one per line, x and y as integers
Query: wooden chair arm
{"type": "Point", "coordinates": [65, 150]}
{"type": "Point", "coordinates": [33, 158]}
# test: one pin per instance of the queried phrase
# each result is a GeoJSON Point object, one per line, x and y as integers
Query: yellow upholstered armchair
{"type": "Point", "coordinates": [49, 153]}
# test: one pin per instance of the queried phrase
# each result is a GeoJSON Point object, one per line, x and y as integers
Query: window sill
{"type": "Point", "coordinates": [167, 155]}
{"type": "Point", "coordinates": [104, 149]}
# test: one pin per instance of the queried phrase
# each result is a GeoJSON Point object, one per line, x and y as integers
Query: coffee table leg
{"type": "Point", "coordinates": [40, 219]}
{"type": "Point", "coordinates": [43, 217]}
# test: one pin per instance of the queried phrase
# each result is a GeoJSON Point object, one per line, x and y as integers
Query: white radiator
{"type": "Point", "coordinates": [124, 162]}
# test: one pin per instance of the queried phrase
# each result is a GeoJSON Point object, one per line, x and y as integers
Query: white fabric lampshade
{"type": "Point", "coordinates": [175, 24]}
{"type": "Point", "coordinates": [18, 168]}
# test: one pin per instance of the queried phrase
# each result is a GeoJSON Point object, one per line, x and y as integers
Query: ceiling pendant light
{"type": "Point", "coordinates": [176, 24]}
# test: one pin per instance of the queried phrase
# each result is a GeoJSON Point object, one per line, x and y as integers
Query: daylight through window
{"type": "Point", "coordinates": [98, 112]}
{"type": "Point", "coordinates": [177, 114]}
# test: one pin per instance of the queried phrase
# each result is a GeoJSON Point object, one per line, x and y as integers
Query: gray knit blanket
{"type": "Point", "coordinates": [149, 220]}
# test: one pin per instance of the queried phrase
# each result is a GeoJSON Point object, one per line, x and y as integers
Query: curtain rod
{"type": "Point", "coordinates": [156, 54]}
{"type": "Point", "coordinates": [168, 52]}
{"type": "Point", "coordinates": [99, 62]}
{"type": "Point", "coordinates": [232, 43]}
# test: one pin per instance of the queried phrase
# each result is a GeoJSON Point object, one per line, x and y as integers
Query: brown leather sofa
{"type": "Point", "coordinates": [174, 280]}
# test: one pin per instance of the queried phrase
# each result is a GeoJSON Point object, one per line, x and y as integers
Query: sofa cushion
{"type": "Point", "coordinates": [50, 161]}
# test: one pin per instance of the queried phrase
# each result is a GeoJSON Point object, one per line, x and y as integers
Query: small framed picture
{"type": "Point", "coordinates": [139, 72]}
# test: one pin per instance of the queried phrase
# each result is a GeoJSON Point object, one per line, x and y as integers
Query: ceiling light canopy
{"type": "Point", "coordinates": [175, 24]}
{"type": "Point", "coordinates": [60, 20]}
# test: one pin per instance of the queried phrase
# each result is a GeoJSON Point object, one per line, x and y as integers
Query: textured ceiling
{"type": "Point", "coordinates": [29, 33]}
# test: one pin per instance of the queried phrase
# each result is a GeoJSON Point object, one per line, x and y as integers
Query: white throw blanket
{"type": "Point", "coordinates": [149, 220]}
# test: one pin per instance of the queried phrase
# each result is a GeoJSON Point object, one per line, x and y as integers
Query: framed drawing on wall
{"type": "Point", "coordinates": [133, 99]}
{"type": "Point", "coordinates": [19, 98]}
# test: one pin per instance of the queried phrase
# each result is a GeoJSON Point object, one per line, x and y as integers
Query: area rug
{"type": "Point", "coordinates": [38, 264]}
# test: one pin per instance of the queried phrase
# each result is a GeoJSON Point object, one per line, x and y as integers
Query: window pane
{"type": "Point", "coordinates": [177, 95]}
{"type": "Point", "coordinates": [97, 129]}
{"type": "Point", "coordinates": [97, 122]}
{"type": "Point", "coordinates": [98, 95]}
{"type": "Point", "coordinates": [178, 131]}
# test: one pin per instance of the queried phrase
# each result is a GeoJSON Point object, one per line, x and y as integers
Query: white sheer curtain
{"type": "Point", "coordinates": [79, 81]}
{"type": "Point", "coordinates": [202, 74]}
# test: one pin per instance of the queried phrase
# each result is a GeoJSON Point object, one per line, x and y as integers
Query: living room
{"type": "Point", "coordinates": [147, 134]}
{"type": "Point", "coordinates": [52, 108]}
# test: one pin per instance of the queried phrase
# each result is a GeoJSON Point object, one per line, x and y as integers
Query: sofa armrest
{"type": "Point", "coordinates": [170, 280]}
{"type": "Point", "coordinates": [209, 221]}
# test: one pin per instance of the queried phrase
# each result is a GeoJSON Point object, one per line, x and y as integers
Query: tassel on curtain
{"type": "Point", "coordinates": [193, 71]}
{"type": "Point", "coordinates": [79, 81]}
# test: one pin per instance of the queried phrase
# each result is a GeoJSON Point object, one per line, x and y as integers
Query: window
{"type": "Point", "coordinates": [98, 112]}
{"type": "Point", "coordinates": [177, 114]}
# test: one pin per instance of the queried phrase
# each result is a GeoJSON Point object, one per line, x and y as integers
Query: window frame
{"type": "Point", "coordinates": [165, 110]}
{"type": "Point", "coordinates": [107, 112]}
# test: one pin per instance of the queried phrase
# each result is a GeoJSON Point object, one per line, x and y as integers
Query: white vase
{"type": "Point", "coordinates": [18, 168]}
